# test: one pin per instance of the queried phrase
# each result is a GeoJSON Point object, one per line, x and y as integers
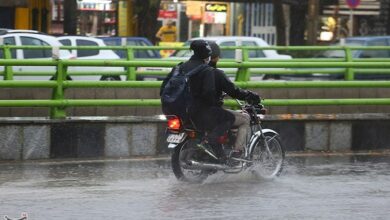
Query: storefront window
{"type": "Point", "coordinates": [57, 18]}
{"type": "Point", "coordinates": [97, 18]}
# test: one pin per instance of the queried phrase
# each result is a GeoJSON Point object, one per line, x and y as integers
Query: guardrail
{"type": "Point", "coordinates": [301, 66]}
{"type": "Point", "coordinates": [59, 103]}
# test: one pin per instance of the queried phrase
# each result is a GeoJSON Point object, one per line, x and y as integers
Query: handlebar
{"type": "Point", "coordinates": [252, 108]}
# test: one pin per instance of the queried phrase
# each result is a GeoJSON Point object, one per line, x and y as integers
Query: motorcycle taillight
{"type": "Point", "coordinates": [174, 123]}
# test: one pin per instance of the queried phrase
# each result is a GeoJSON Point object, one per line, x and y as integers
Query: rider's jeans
{"type": "Point", "coordinates": [242, 122]}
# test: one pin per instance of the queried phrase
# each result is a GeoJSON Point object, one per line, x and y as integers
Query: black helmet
{"type": "Point", "coordinates": [215, 51]}
{"type": "Point", "coordinates": [201, 49]}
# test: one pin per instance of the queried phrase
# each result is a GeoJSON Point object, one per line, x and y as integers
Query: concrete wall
{"type": "Point", "coordinates": [40, 138]}
{"type": "Point", "coordinates": [134, 93]}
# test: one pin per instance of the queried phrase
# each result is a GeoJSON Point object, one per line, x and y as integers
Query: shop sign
{"type": "Point", "coordinates": [216, 7]}
{"type": "Point", "coordinates": [214, 17]}
{"type": "Point", "coordinates": [167, 14]}
{"type": "Point", "coordinates": [215, 14]}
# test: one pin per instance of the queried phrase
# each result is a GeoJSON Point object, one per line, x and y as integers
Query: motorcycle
{"type": "Point", "coordinates": [263, 154]}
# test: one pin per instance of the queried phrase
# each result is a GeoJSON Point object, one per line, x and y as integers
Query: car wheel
{"type": "Point", "coordinates": [110, 78]}
{"type": "Point", "coordinates": [55, 78]}
{"type": "Point", "coordinates": [271, 77]}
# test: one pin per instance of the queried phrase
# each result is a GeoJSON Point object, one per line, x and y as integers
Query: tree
{"type": "Point", "coordinates": [298, 21]}
{"type": "Point", "coordinates": [147, 13]}
{"type": "Point", "coordinates": [70, 17]}
{"type": "Point", "coordinates": [279, 22]}
{"type": "Point", "coordinates": [312, 22]}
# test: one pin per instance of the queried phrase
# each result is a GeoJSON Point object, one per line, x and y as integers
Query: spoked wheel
{"type": "Point", "coordinates": [268, 156]}
{"type": "Point", "coordinates": [180, 163]}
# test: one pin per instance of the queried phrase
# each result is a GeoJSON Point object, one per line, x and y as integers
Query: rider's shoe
{"type": "Point", "coordinates": [235, 157]}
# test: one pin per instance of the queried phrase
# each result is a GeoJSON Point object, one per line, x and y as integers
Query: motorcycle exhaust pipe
{"type": "Point", "coordinates": [202, 166]}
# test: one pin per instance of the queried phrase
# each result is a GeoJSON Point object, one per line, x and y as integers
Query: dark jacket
{"type": "Point", "coordinates": [187, 66]}
{"type": "Point", "coordinates": [207, 112]}
{"type": "Point", "coordinates": [206, 88]}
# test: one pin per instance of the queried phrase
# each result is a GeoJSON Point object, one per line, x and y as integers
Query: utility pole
{"type": "Point", "coordinates": [312, 21]}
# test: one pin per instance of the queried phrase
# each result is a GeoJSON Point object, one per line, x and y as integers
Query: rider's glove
{"type": "Point", "coordinates": [252, 98]}
{"type": "Point", "coordinates": [220, 102]}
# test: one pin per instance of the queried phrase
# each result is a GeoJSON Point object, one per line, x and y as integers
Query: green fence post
{"type": "Point", "coordinates": [348, 57]}
{"type": "Point", "coordinates": [58, 91]}
{"type": "Point", "coordinates": [8, 74]}
{"type": "Point", "coordinates": [131, 73]}
{"type": "Point", "coordinates": [243, 73]}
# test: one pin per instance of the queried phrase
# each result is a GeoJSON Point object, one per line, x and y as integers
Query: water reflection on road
{"type": "Point", "coordinates": [309, 188]}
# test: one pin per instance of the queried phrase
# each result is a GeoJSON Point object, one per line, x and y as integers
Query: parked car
{"type": "Point", "coordinates": [35, 38]}
{"type": "Point", "coordinates": [352, 41]}
{"type": "Point", "coordinates": [97, 54]}
{"type": "Point", "coordinates": [235, 41]}
{"type": "Point", "coordinates": [360, 41]}
{"type": "Point", "coordinates": [132, 41]}
{"type": "Point", "coordinates": [29, 37]}
{"type": "Point", "coordinates": [254, 55]}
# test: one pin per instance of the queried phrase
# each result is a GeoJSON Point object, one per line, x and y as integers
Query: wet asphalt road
{"type": "Point", "coordinates": [309, 188]}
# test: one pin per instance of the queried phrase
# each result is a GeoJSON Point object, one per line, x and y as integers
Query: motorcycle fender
{"type": "Point", "coordinates": [172, 145]}
{"type": "Point", "coordinates": [258, 134]}
{"type": "Point", "coordinates": [265, 131]}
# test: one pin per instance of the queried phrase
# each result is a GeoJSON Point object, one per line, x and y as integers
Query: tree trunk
{"type": "Point", "coordinates": [279, 22]}
{"type": "Point", "coordinates": [147, 13]}
{"type": "Point", "coordinates": [70, 17]}
{"type": "Point", "coordinates": [387, 18]}
{"type": "Point", "coordinates": [298, 23]}
{"type": "Point", "coordinates": [312, 22]}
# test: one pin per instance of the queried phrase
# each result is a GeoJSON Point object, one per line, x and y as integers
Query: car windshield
{"type": "Point", "coordinates": [183, 53]}
{"type": "Point", "coordinates": [341, 53]}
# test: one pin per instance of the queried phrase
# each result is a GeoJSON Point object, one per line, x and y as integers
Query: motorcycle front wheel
{"type": "Point", "coordinates": [268, 156]}
{"type": "Point", "coordinates": [180, 158]}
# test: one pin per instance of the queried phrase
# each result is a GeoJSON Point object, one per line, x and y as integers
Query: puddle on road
{"type": "Point", "coordinates": [309, 188]}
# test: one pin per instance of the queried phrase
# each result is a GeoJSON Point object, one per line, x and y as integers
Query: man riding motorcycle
{"type": "Point", "coordinates": [206, 112]}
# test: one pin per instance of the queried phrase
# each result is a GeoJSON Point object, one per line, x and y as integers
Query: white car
{"type": "Point", "coordinates": [84, 54]}
{"type": "Point", "coordinates": [254, 55]}
{"type": "Point", "coordinates": [28, 38]}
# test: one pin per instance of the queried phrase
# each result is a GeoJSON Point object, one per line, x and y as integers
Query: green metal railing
{"type": "Point", "coordinates": [244, 72]}
{"type": "Point", "coordinates": [59, 103]}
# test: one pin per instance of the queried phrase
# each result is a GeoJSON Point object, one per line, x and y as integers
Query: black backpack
{"type": "Point", "coordinates": [175, 96]}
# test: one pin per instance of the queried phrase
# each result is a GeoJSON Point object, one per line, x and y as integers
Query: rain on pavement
{"type": "Point", "coordinates": [311, 187]}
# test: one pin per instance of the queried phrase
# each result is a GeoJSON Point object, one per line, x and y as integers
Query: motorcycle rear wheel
{"type": "Point", "coordinates": [179, 160]}
{"type": "Point", "coordinates": [268, 163]}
